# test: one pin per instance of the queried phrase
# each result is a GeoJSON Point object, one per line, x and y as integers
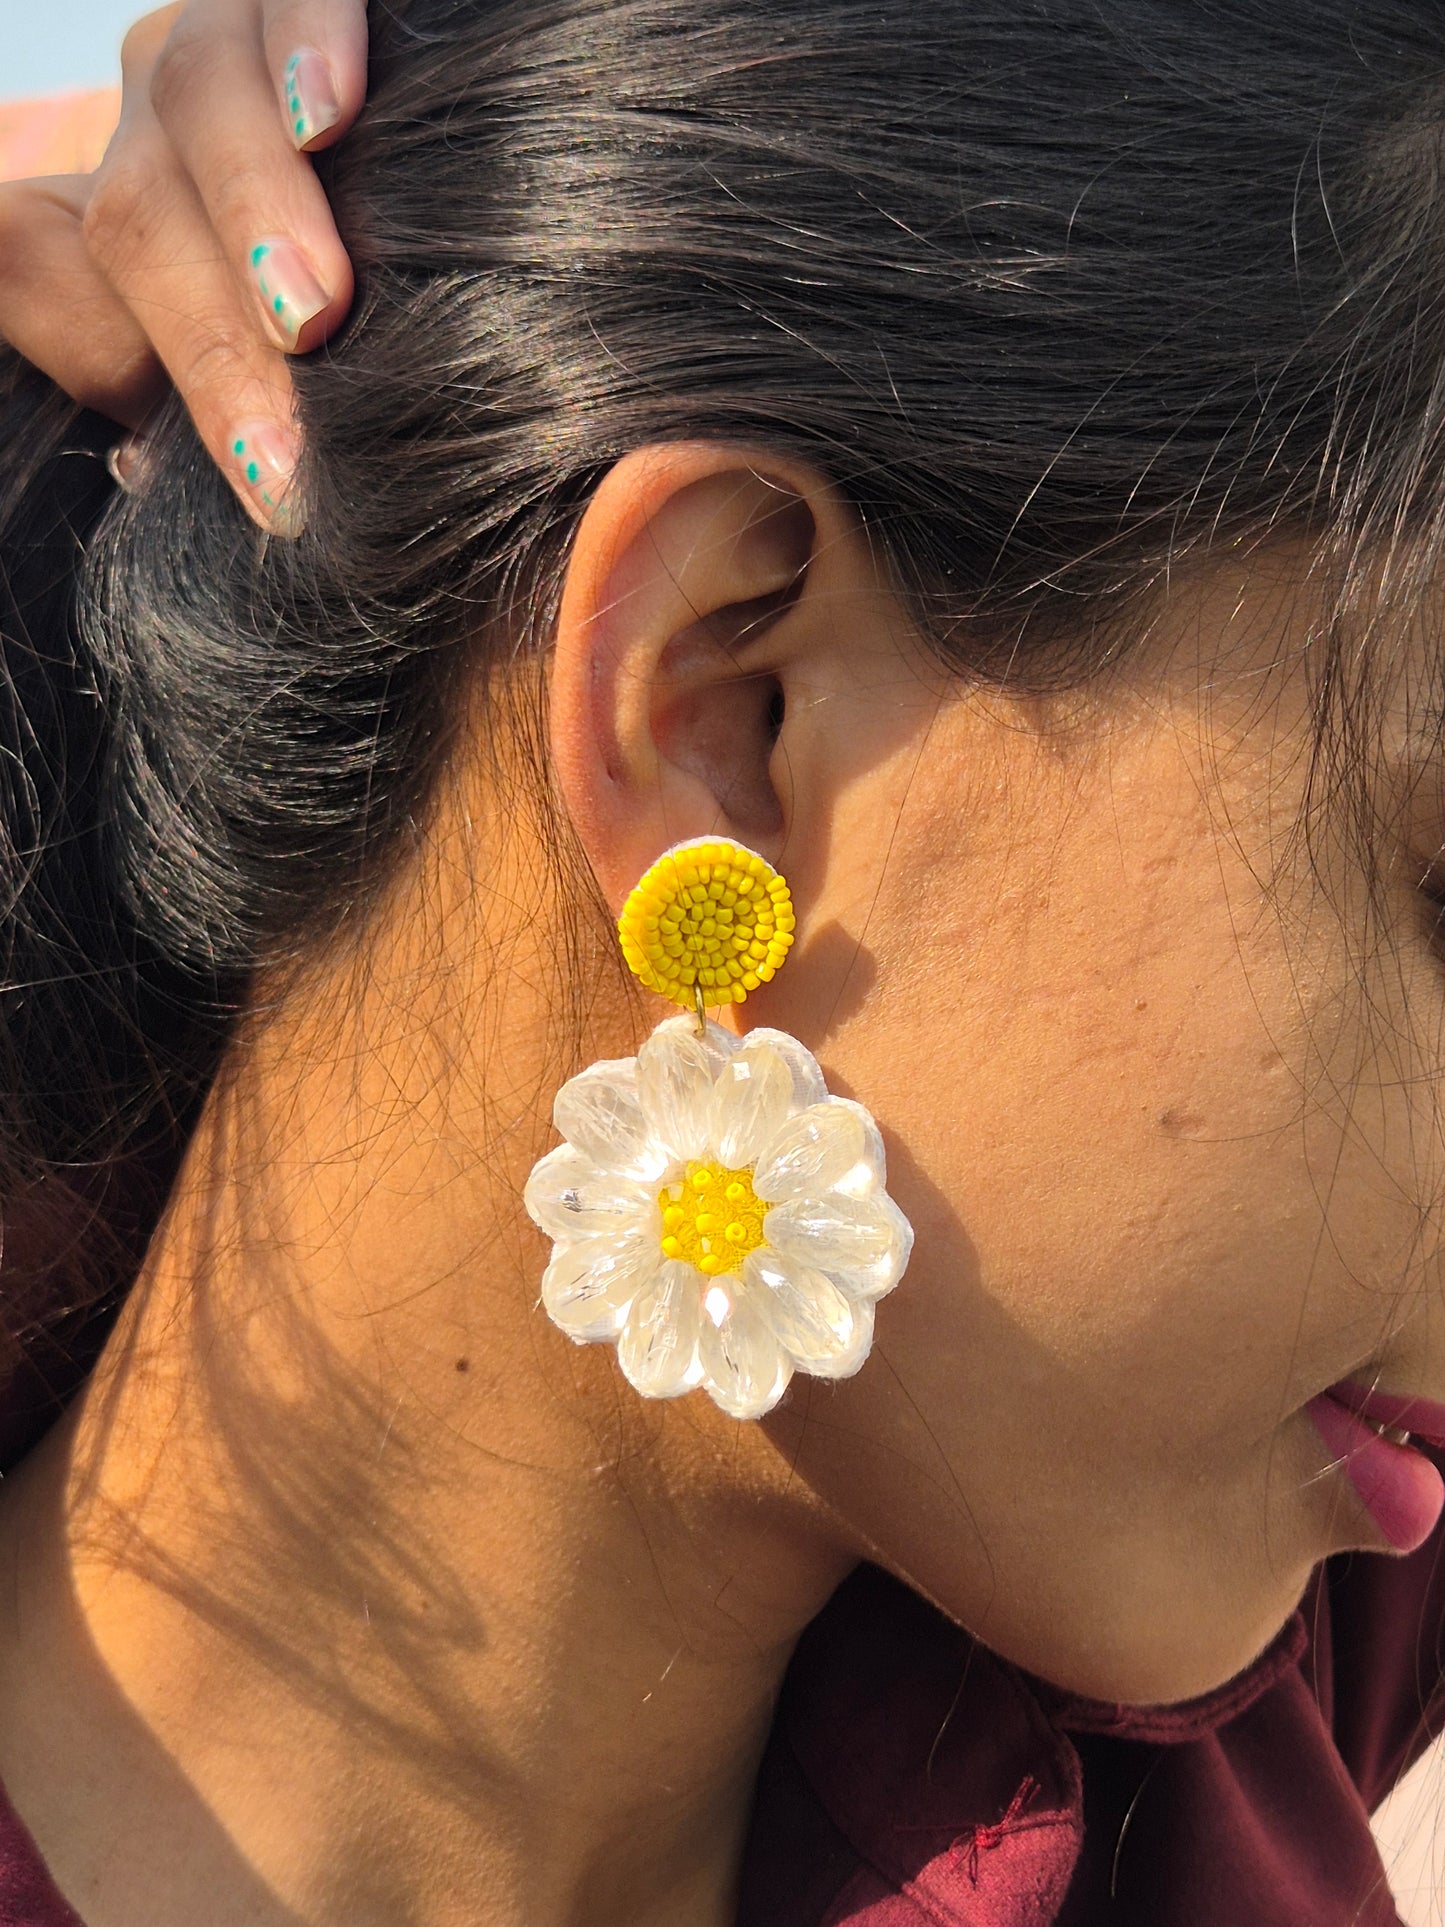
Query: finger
{"type": "Point", "coordinates": [211, 93]}
{"type": "Point", "coordinates": [147, 230]}
{"type": "Point", "coordinates": [317, 49]}
{"type": "Point", "coordinates": [59, 311]}
{"type": "Point", "coordinates": [145, 37]}
{"type": "Point", "coordinates": [145, 227]}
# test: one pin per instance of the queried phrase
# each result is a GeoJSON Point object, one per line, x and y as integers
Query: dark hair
{"type": "Point", "coordinates": [1056, 292]}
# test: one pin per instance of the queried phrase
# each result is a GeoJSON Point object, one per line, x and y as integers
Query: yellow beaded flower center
{"type": "Point", "coordinates": [712, 1217]}
{"type": "Point", "coordinates": [709, 914]}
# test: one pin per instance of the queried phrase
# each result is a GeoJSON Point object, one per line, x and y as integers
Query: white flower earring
{"type": "Point", "coordinates": [715, 1213]}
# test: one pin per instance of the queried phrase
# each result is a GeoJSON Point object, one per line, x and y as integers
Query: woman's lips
{"type": "Point", "coordinates": [1402, 1491]}
{"type": "Point", "coordinates": [1418, 1415]}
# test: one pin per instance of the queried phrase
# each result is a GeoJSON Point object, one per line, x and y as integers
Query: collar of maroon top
{"type": "Point", "coordinates": [971, 1833]}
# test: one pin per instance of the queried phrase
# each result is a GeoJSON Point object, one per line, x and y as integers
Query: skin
{"type": "Point", "coordinates": [364, 1595]}
{"type": "Point", "coordinates": [356, 1591]}
{"type": "Point", "coordinates": [138, 278]}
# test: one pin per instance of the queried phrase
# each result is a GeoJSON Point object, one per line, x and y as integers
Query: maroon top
{"type": "Point", "coordinates": [915, 1780]}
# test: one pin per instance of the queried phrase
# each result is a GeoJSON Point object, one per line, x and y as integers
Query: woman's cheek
{"type": "Point", "coordinates": [1091, 1345]}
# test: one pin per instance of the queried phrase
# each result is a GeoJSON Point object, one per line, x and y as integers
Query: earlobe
{"type": "Point", "coordinates": [663, 711]}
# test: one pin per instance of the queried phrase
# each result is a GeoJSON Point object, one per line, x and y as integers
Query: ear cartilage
{"type": "Point", "coordinates": [714, 1212]}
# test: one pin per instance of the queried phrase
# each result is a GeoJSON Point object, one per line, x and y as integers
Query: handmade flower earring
{"type": "Point", "coordinates": [715, 1213]}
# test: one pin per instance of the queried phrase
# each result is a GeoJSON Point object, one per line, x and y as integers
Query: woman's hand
{"type": "Point", "coordinates": [202, 249]}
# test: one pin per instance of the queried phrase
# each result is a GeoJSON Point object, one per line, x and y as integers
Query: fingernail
{"type": "Point", "coordinates": [311, 103]}
{"type": "Point", "coordinates": [264, 458]}
{"type": "Point", "coordinates": [290, 293]}
{"type": "Point", "coordinates": [124, 462]}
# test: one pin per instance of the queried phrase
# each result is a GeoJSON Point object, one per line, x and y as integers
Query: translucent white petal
{"type": "Point", "coordinates": [750, 1102]}
{"type": "Point", "coordinates": [658, 1347]}
{"type": "Point", "coordinates": [808, 1084]}
{"type": "Point", "coordinates": [598, 1112]}
{"type": "Point", "coordinates": [835, 1143]}
{"type": "Point", "coordinates": [676, 1072]}
{"type": "Point", "coordinates": [862, 1243]}
{"type": "Point", "coordinates": [822, 1330]}
{"type": "Point", "coordinates": [570, 1198]}
{"type": "Point", "coordinates": [589, 1286]}
{"type": "Point", "coordinates": [744, 1369]}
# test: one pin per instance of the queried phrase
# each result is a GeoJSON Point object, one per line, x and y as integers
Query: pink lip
{"type": "Point", "coordinates": [1401, 1490]}
{"type": "Point", "coordinates": [1418, 1415]}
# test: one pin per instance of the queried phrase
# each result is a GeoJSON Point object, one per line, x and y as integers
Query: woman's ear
{"type": "Point", "coordinates": [664, 694]}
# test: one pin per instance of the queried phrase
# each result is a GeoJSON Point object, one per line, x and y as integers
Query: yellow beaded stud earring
{"type": "Point", "coordinates": [708, 923]}
{"type": "Point", "coordinates": [714, 1212]}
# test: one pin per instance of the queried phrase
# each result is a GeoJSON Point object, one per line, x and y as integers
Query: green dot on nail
{"type": "Point", "coordinates": [300, 127]}
{"type": "Point", "coordinates": [253, 472]}
{"type": "Point", "coordinates": [279, 303]}
{"type": "Point", "coordinates": [239, 448]}
{"type": "Point", "coordinates": [258, 254]}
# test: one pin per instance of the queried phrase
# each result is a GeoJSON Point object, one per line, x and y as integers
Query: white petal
{"type": "Point", "coordinates": [808, 1084]}
{"type": "Point", "coordinates": [750, 1102]}
{"type": "Point", "coordinates": [745, 1370]}
{"type": "Point", "coordinates": [598, 1111]}
{"type": "Point", "coordinates": [658, 1347]}
{"type": "Point", "coordinates": [589, 1286]}
{"type": "Point", "coordinates": [862, 1243]}
{"type": "Point", "coordinates": [822, 1330]}
{"type": "Point", "coordinates": [676, 1072]}
{"type": "Point", "coordinates": [570, 1198]}
{"type": "Point", "coordinates": [830, 1145]}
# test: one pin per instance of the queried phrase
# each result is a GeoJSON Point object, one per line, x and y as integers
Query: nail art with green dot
{"type": "Point", "coordinates": [289, 293]}
{"type": "Point", "coordinates": [311, 105]}
{"type": "Point", "coordinates": [265, 464]}
{"type": "Point", "coordinates": [300, 120]}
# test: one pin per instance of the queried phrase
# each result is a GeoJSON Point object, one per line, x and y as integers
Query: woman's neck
{"type": "Point", "coordinates": [350, 1593]}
